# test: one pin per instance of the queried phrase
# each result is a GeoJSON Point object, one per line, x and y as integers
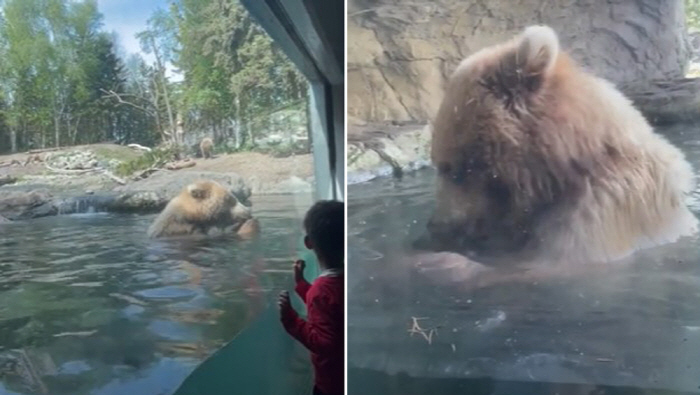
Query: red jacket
{"type": "Point", "coordinates": [323, 332]}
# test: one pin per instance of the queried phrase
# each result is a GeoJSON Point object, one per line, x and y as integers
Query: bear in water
{"type": "Point", "coordinates": [204, 207]}
{"type": "Point", "coordinates": [539, 158]}
{"type": "Point", "coordinates": [206, 147]}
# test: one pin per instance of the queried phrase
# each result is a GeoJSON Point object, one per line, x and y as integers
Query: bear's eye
{"type": "Point", "coordinates": [444, 169]}
{"type": "Point", "coordinates": [456, 174]}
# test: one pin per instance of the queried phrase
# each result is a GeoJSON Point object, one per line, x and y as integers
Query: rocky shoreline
{"type": "Point", "coordinates": [80, 186]}
{"type": "Point", "coordinates": [386, 150]}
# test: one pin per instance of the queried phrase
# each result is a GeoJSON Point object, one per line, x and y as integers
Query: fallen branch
{"type": "Point", "coordinates": [116, 179]}
{"type": "Point", "coordinates": [139, 147]}
{"type": "Point", "coordinates": [39, 151]}
{"type": "Point", "coordinates": [145, 173]}
{"type": "Point", "coordinates": [66, 171]}
{"type": "Point", "coordinates": [33, 158]}
{"type": "Point", "coordinates": [180, 165]}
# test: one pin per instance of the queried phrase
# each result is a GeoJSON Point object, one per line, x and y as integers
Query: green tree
{"type": "Point", "coordinates": [692, 14]}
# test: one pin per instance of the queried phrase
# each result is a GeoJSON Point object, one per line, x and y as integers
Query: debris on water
{"type": "Point", "coordinates": [416, 328]}
{"type": "Point", "coordinates": [128, 298]}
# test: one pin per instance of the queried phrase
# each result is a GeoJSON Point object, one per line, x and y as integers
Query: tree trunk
{"type": "Point", "coordinates": [13, 139]}
{"type": "Point", "coordinates": [57, 131]}
{"type": "Point", "coordinates": [168, 108]}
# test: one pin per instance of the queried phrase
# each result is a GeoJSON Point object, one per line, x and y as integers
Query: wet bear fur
{"type": "Point", "coordinates": [204, 207]}
{"type": "Point", "coordinates": [538, 157]}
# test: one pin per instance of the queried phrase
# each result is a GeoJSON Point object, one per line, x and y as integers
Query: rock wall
{"type": "Point", "coordinates": [400, 52]}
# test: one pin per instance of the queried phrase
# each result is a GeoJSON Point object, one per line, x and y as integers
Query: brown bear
{"type": "Point", "coordinates": [204, 207]}
{"type": "Point", "coordinates": [539, 158]}
{"type": "Point", "coordinates": [206, 147]}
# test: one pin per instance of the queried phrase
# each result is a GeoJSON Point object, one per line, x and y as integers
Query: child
{"type": "Point", "coordinates": [323, 333]}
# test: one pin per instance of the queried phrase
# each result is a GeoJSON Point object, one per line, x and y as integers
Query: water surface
{"type": "Point", "coordinates": [635, 326]}
{"type": "Point", "coordinates": [89, 305]}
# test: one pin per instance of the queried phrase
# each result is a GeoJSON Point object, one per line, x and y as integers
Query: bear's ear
{"type": "Point", "coordinates": [537, 51]}
{"type": "Point", "coordinates": [197, 192]}
{"type": "Point", "coordinates": [523, 70]}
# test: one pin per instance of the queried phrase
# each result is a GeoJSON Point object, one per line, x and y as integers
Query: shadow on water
{"type": "Point", "coordinates": [627, 328]}
{"type": "Point", "coordinates": [89, 305]}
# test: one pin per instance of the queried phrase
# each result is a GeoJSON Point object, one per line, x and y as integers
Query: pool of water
{"type": "Point", "coordinates": [632, 326]}
{"type": "Point", "coordinates": [89, 305]}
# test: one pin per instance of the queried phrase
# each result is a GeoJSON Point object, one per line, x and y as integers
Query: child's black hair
{"type": "Point", "coordinates": [325, 226]}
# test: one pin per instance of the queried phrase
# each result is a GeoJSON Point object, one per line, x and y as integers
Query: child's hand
{"type": "Point", "coordinates": [299, 267]}
{"type": "Point", "coordinates": [283, 303]}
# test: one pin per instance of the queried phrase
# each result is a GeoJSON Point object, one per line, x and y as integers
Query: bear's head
{"type": "Point", "coordinates": [499, 145]}
{"type": "Point", "coordinates": [212, 204]}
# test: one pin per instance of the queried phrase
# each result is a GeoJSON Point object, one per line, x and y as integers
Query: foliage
{"type": "Point", "coordinates": [692, 14]}
{"type": "Point", "coordinates": [63, 83]}
{"type": "Point", "coordinates": [233, 71]}
{"type": "Point", "coordinates": [55, 63]}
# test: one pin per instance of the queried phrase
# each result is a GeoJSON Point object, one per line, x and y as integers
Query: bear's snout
{"type": "Point", "coordinates": [241, 212]}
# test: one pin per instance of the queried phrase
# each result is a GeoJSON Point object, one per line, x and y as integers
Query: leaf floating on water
{"type": "Point", "coordinates": [128, 298]}
{"type": "Point", "coordinates": [79, 334]}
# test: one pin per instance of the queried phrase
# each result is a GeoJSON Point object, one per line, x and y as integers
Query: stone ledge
{"type": "Point", "coordinates": [665, 102]}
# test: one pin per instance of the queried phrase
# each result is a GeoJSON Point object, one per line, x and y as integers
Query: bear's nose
{"type": "Point", "coordinates": [436, 225]}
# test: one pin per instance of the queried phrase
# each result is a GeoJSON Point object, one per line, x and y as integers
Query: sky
{"type": "Point", "coordinates": [128, 17]}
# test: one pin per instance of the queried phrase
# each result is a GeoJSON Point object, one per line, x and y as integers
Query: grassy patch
{"type": "Point", "coordinates": [117, 152]}
{"type": "Point", "coordinates": [156, 158]}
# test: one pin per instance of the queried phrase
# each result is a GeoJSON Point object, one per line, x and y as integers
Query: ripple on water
{"type": "Point", "coordinates": [132, 311]}
{"type": "Point", "coordinates": [174, 331]}
{"type": "Point", "coordinates": [168, 292]}
{"type": "Point", "coordinates": [71, 275]}
{"type": "Point", "coordinates": [73, 367]}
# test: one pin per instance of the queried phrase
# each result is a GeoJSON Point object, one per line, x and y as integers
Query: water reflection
{"type": "Point", "coordinates": [89, 305]}
{"type": "Point", "coordinates": [635, 324]}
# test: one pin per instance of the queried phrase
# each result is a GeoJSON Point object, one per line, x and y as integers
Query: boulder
{"type": "Point", "coordinates": [666, 102]}
{"type": "Point", "coordinates": [401, 53]}
{"type": "Point", "coordinates": [17, 204]}
{"type": "Point", "coordinates": [7, 179]}
{"type": "Point", "coordinates": [392, 151]}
